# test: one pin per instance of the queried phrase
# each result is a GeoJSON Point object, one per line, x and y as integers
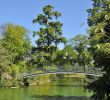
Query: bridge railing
{"type": "Point", "coordinates": [79, 69]}
{"type": "Point", "coordinates": [74, 69]}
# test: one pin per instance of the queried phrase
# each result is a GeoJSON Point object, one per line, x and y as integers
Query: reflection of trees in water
{"type": "Point", "coordinates": [37, 97]}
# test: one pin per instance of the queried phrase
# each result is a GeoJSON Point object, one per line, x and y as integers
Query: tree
{"type": "Point", "coordinates": [15, 46]}
{"type": "Point", "coordinates": [99, 31]}
{"type": "Point", "coordinates": [50, 34]}
{"type": "Point", "coordinates": [81, 44]}
{"type": "Point", "coordinates": [16, 41]}
{"type": "Point", "coordinates": [66, 56]}
{"type": "Point", "coordinates": [69, 54]}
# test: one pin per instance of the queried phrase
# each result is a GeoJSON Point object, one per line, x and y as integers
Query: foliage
{"type": "Point", "coordinates": [39, 59]}
{"type": "Point", "coordinates": [14, 46]}
{"type": "Point", "coordinates": [5, 62]}
{"type": "Point", "coordinates": [16, 41]}
{"type": "Point", "coordinates": [65, 56]}
{"type": "Point", "coordinates": [50, 34]}
{"type": "Point", "coordinates": [99, 22]}
{"type": "Point", "coordinates": [5, 59]}
{"type": "Point", "coordinates": [80, 42]}
{"type": "Point", "coordinates": [81, 45]}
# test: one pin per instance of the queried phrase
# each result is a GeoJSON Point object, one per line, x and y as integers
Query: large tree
{"type": "Point", "coordinates": [66, 56]}
{"type": "Point", "coordinates": [81, 44]}
{"type": "Point", "coordinates": [50, 33]}
{"type": "Point", "coordinates": [99, 22]}
{"type": "Point", "coordinates": [16, 41]}
{"type": "Point", "coordinates": [14, 49]}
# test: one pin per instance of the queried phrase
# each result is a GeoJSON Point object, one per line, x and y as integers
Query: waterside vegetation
{"type": "Point", "coordinates": [88, 53]}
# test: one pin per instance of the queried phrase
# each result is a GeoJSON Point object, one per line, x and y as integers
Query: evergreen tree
{"type": "Point", "coordinates": [99, 22]}
{"type": "Point", "coordinates": [50, 34]}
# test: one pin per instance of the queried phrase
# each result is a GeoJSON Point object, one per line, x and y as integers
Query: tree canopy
{"type": "Point", "coordinates": [50, 34]}
{"type": "Point", "coordinates": [81, 44]}
{"type": "Point", "coordinates": [16, 40]}
{"type": "Point", "coordinates": [99, 22]}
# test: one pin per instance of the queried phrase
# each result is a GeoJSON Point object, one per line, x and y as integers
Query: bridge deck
{"type": "Point", "coordinates": [51, 73]}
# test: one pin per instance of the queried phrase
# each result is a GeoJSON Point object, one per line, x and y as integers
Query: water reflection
{"type": "Point", "coordinates": [61, 89]}
{"type": "Point", "coordinates": [36, 97]}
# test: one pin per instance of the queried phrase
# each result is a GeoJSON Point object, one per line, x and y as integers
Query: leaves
{"type": "Point", "coordinates": [41, 19]}
{"type": "Point", "coordinates": [13, 48]}
{"type": "Point", "coordinates": [5, 59]}
{"type": "Point", "coordinates": [15, 38]}
{"type": "Point", "coordinates": [98, 20]}
{"type": "Point", "coordinates": [56, 14]}
{"type": "Point", "coordinates": [50, 34]}
{"type": "Point", "coordinates": [48, 11]}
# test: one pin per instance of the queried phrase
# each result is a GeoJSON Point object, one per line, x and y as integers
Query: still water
{"type": "Point", "coordinates": [60, 89]}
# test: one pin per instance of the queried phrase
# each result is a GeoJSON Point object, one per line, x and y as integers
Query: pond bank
{"type": "Point", "coordinates": [52, 77]}
{"type": "Point", "coordinates": [57, 89]}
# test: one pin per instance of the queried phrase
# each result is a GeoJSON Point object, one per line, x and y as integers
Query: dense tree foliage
{"type": "Point", "coordinates": [50, 34]}
{"type": "Point", "coordinates": [16, 40]}
{"type": "Point", "coordinates": [5, 60]}
{"type": "Point", "coordinates": [81, 44]}
{"type": "Point", "coordinates": [66, 56]}
{"type": "Point", "coordinates": [14, 45]}
{"type": "Point", "coordinates": [99, 22]}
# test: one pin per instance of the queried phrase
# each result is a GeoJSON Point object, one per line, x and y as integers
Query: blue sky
{"type": "Point", "coordinates": [22, 12]}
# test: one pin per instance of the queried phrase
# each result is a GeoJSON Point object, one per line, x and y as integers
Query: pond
{"type": "Point", "coordinates": [60, 89]}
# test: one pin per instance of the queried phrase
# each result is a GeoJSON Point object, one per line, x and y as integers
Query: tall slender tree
{"type": "Point", "coordinates": [50, 34]}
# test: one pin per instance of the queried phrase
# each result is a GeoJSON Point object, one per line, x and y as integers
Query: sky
{"type": "Point", "coordinates": [22, 12]}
